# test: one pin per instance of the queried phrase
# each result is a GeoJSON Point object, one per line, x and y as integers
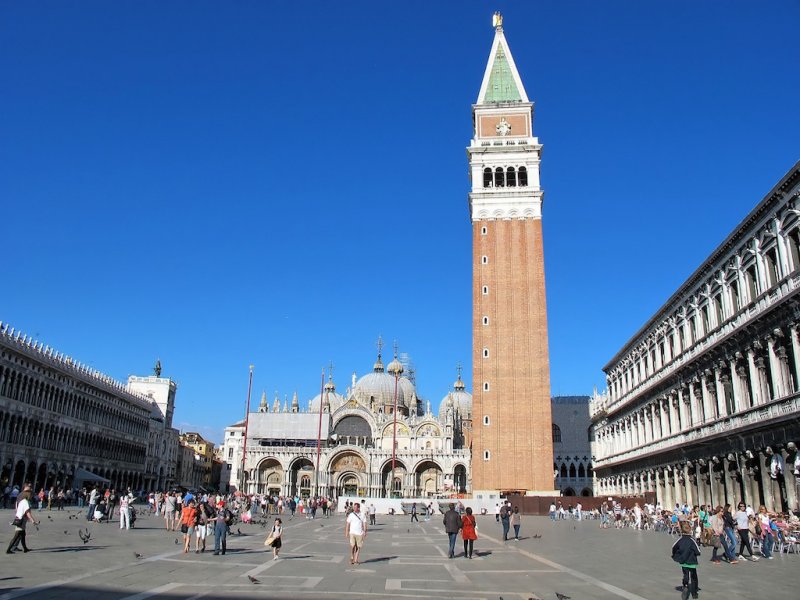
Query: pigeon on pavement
{"type": "Point", "coordinates": [253, 579]}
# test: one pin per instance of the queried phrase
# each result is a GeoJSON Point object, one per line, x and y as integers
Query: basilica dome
{"type": "Point", "coordinates": [330, 396]}
{"type": "Point", "coordinates": [376, 390]}
{"type": "Point", "coordinates": [460, 399]}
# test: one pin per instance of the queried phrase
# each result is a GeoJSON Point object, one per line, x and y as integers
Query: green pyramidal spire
{"type": "Point", "coordinates": [502, 87]}
{"type": "Point", "coordinates": [501, 81]}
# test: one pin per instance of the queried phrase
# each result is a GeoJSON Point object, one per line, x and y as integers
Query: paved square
{"type": "Point", "coordinates": [400, 560]}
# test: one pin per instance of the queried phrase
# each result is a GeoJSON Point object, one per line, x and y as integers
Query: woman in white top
{"type": "Point", "coordinates": [21, 517]}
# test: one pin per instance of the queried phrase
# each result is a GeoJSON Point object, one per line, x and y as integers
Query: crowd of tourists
{"type": "Point", "coordinates": [722, 528]}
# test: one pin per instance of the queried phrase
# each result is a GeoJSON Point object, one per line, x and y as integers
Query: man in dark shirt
{"type": "Point", "coordinates": [452, 524]}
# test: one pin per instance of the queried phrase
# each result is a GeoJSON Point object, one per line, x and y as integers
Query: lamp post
{"type": "Point", "coordinates": [396, 369]}
{"type": "Point", "coordinates": [319, 433]}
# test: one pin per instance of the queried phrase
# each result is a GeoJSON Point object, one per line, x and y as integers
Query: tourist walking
{"type": "Point", "coordinates": [170, 508]}
{"type": "Point", "coordinates": [414, 513]}
{"type": "Point", "coordinates": [188, 516]}
{"type": "Point", "coordinates": [764, 529]}
{"type": "Point", "coordinates": [551, 511]}
{"type": "Point", "coordinates": [469, 528]}
{"type": "Point", "coordinates": [275, 538]}
{"type": "Point", "coordinates": [743, 526]}
{"type": "Point", "coordinates": [372, 512]}
{"type": "Point", "coordinates": [685, 552]}
{"type": "Point", "coordinates": [355, 530]}
{"type": "Point", "coordinates": [505, 517]}
{"type": "Point", "coordinates": [220, 529]}
{"type": "Point", "coordinates": [22, 515]}
{"type": "Point", "coordinates": [452, 523]}
{"type": "Point", "coordinates": [516, 522]}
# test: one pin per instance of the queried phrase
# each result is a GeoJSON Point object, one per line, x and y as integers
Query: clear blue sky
{"type": "Point", "coordinates": [226, 183]}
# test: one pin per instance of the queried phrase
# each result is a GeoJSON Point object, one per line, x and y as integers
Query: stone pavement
{"type": "Point", "coordinates": [400, 560]}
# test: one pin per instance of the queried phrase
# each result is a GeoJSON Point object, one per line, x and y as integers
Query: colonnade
{"type": "Point", "coordinates": [758, 476]}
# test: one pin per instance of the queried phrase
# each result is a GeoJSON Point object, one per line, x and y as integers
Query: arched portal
{"type": "Point", "coordinates": [30, 474]}
{"type": "Point", "coordinates": [348, 468]}
{"type": "Point", "coordinates": [460, 479]}
{"type": "Point", "coordinates": [269, 477]}
{"type": "Point", "coordinates": [428, 479]}
{"type": "Point", "coordinates": [298, 484]}
{"type": "Point", "coordinates": [392, 483]}
{"type": "Point", "coordinates": [19, 474]}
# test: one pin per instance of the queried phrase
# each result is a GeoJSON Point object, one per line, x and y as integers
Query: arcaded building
{"type": "Point", "coordinates": [703, 403]}
{"type": "Point", "coordinates": [572, 448]}
{"type": "Point", "coordinates": [512, 449]}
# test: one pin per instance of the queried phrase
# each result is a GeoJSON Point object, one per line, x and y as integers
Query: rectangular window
{"type": "Point", "coordinates": [485, 260]}
{"type": "Point", "coordinates": [486, 455]}
{"type": "Point", "coordinates": [485, 353]}
{"type": "Point", "coordinates": [485, 290]}
{"type": "Point", "coordinates": [483, 230]}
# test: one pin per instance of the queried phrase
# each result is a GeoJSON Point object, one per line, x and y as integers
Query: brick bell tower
{"type": "Point", "coordinates": [512, 447]}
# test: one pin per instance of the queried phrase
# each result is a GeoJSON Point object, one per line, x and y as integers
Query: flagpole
{"type": "Point", "coordinates": [319, 432]}
{"type": "Point", "coordinates": [246, 423]}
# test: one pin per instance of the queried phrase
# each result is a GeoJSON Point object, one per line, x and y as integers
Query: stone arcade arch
{"type": "Point", "coordinates": [301, 474]}
{"type": "Point", "coordinates": [428, 479]}
{"type": "Point", "coordinates": [348, 472]}
{"type": "Point", "coordinates": [460, 479]}
{"type": "Point", "coordinates": [392, 486]}
{"type": "Point", "coordinates": [269, 478]}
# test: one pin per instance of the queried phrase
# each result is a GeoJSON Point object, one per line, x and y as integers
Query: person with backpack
{"type": "Point", "coordinates": [685, 552]}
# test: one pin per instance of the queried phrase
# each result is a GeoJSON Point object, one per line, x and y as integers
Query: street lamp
{"type": "Point", "coordinates": [396, 369]}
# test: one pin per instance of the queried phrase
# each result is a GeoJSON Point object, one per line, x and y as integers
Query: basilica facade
{"type": "Point", "coordinates": [378, 439]}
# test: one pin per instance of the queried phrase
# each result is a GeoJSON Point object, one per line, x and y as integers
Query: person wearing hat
{"type": "Point", "coordinates": [21, 516]}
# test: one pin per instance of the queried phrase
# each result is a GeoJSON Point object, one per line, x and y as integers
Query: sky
{"type": "Point", "coordinates": [220, 184]}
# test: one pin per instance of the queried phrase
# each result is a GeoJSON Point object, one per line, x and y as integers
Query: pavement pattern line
{"type": "Point", "coordinates": [167, 587]}
{"type": "Point", "coordinates": [577, 574]}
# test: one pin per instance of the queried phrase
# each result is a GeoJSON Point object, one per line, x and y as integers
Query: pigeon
{"type": "Point", "coordinates": [562, 596]}
{"type": "Point", "coordinates": [238, 531]}
{"type": "Point", "coordinates": [49, 517]}
{"type": "Point", "coordinates": [176, 541]}
{"type": "Point", "coordinates": [66, 532]}
{"type": "Point", "coordinates": [538, 536]}
{"type": "Point", "coordinates": [137, 555]}
{"type": "Point", "coordinates": [85, 537]}
{"type": "Point", "coordinates": [253, 579]}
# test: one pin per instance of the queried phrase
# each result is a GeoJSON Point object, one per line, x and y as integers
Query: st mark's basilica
{"type": "Point", "coordinates": [356, 430]}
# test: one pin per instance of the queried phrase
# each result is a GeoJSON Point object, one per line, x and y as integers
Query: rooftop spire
{"type": "Point", "coordinates": [501, 81]}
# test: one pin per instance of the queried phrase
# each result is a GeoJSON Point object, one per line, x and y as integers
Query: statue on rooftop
{"type": "Point", "coordinates": [157, 368]}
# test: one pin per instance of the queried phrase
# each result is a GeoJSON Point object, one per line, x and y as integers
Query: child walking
{"type": "Point", "coordinates": [685, 552]}
{"type": "Point", "coordinates": [276, 544]}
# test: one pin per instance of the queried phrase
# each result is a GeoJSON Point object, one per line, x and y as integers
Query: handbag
{"type": "Point", "coordinates": [17, 522]}
{"type": "Point", "coordinates": [268, 541]}
{"type": "Point", "coordinates": [184, 528]}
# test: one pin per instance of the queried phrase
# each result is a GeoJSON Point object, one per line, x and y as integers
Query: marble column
{"type": "Point", "coordinates": [778, 385]}
{"type": "Point", "coordinates": [795, 352]}
{"type": "Point", "coordinates": [685, 408]}
{"type": "Point", "coordinates": [766, 482]}
{"type": "Point", "coordinates": [689, 492]}
{"type": "Point", "coordinates": [789, 480]}
{"type": "Point", "coordinates": [755, 378]}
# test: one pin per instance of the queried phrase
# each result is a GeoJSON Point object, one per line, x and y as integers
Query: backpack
{"type": "Point", "coordinates": [228, 516]}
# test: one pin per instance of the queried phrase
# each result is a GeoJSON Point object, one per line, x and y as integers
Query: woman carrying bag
{"type": "Point", "coordinates": [274, 539]}
{"type": "Point", "coordinates": [468, 532]}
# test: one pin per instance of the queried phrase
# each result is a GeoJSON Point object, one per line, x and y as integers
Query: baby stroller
{"type": "Point", "coordinates": [133, 517]}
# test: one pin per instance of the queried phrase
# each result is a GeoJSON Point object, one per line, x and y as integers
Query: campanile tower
{"type": "Point", "coordinates": [512, 448]}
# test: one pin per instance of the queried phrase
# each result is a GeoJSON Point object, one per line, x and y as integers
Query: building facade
{"type": "Point", "coordinates": [572, 448]}
{"type": "Point", "coordinates": [512, 438]}
{"type": "Point", "coordinates": [162, 443]}
{"type": "Point", "coordinates": [204, 455]}
{"type": "Point", "coordinates": [59, 419]}
{"type": "Point", "coordinates": [702, 403]}
{"type": "Point", "coordinates": [357, 432]}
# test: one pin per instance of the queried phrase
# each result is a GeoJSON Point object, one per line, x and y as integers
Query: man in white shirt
{"type": "Point", "coordinates": [355, 530]}
{"type": "Point", "coordinates": [21, 517]}
{"type": "Point", "coordinates": [372, 512]}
